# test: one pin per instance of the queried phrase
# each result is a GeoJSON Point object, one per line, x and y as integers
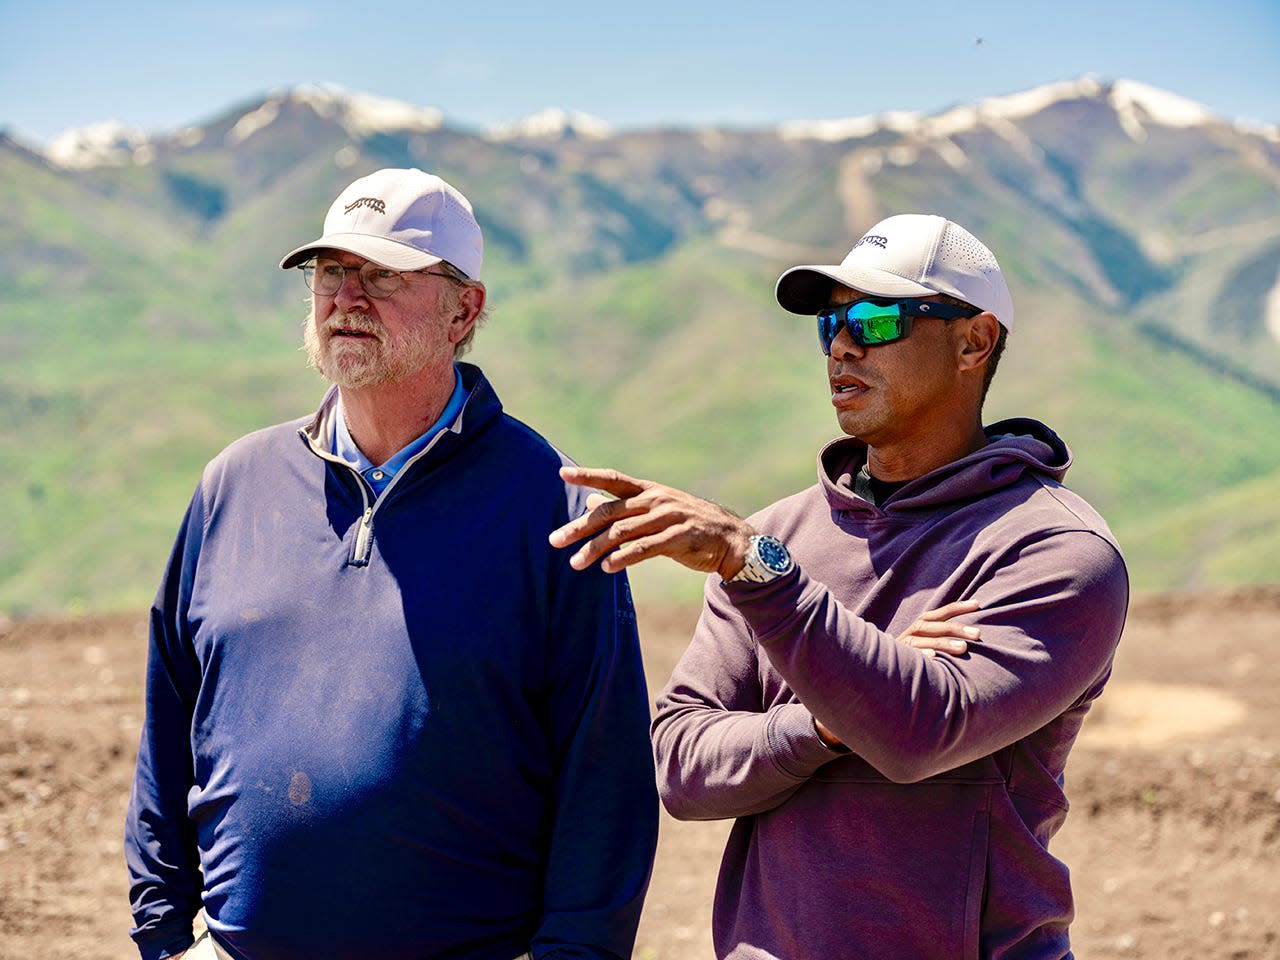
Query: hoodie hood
{"type": "Point", "coordinates": [1018, 448]}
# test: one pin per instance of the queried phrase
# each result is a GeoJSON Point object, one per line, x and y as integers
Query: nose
{"type": "Point", "coordinates": [352, 291]}
{"type": "Point", "coordinates": [845, 346]}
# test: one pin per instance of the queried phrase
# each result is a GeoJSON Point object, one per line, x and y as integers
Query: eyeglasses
{"type": "Point", "coordinates": [326, 277]}
{"type": "Point", "coordinates": [872, 322]}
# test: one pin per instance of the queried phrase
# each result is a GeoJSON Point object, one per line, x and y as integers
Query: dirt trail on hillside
{"type": "Point", "coordinates": [1173, 839]}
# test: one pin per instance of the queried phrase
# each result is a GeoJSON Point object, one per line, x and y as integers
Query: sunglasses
{"type": "Point", "coordinates": [872, 322]}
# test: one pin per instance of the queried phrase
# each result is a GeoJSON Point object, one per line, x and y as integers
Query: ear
{"type": "Point", "coordinates": [470, 302]}
{"type": "Point", "coordinates": [977, 340]}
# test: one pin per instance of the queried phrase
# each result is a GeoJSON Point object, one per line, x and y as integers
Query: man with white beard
{"type": "Point", "coordinates": [385, 719]}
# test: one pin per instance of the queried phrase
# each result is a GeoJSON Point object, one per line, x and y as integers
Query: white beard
{"type": "Point", "coordinates": [367, 361]}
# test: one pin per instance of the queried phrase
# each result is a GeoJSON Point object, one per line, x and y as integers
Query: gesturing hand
{"type": "Point", "coordinates": [934, 632]}
{"type": "Point", "coordinates": [650, 520]}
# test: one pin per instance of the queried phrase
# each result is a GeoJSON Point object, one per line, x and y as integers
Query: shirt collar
{"type": "Point", "coordinates": [379, 475]}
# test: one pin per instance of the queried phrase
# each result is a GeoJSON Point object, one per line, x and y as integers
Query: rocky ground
{"type": "Point", "coordinates": [1173, 838]}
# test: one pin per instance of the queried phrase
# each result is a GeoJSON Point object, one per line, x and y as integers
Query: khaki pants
{"type": "Point", "coordinates": [207, 948]}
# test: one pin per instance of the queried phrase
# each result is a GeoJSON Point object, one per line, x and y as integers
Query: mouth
{"type": "Point", "coordinates": [844, 389]}
{"type": "Point", "coordinates": [352, 326]}
{"type": "Point", "coordinates": [345, 331]}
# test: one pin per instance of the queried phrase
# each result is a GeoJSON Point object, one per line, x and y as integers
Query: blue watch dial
{"type": "Point", "coordinates": [773, 554]}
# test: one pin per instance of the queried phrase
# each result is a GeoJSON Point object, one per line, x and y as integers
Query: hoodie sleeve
{"type": "Point", "coordinates": [1051, 615]}
{"type": "Point", "coordinates": [728, 743]}
{"type": "Point", "coordinates": [726, 746]}
{"type": "Point", "coordinates": [159, 838]}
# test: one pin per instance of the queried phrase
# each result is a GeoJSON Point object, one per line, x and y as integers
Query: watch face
{"type": "Point", "coordinates": [773, 554]}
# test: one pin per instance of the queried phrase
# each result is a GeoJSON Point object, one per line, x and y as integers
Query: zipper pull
{"type": "Point", "coordinates": [364, 539]}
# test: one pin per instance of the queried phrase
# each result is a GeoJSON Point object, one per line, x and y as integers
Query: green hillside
{"type": "Point", "coordinates": [144, 325]}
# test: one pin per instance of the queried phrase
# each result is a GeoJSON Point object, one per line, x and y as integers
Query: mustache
{"type": "Point", "coordinates": [354, 322]}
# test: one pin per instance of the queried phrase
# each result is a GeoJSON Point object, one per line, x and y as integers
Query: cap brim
{"type": "Point", "coordinates": [807, 289]}
{"type": "Point", "coordinates": [384, 252]}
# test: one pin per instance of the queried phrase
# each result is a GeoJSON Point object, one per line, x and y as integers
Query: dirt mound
{"type": "Point", "coordinates": [1173, 839]}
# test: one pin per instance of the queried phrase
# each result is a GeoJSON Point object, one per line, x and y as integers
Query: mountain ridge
{"type": "Point", "coordinates": [144, 324]}
{"type": "Point", "coordinates": [113, 142]}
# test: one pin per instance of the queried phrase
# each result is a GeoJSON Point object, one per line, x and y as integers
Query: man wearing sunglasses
{"type": "Point", "coordinates": [385, 720]}
{"type": "Point", "coordinates": [888, 802]}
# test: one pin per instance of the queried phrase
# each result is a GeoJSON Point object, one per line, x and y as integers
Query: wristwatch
{"type": "Point", "coordinates": [767, 559]}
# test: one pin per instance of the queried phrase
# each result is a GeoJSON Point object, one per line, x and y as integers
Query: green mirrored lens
{"type": "Point", "coordinates": [868, 323]}
{"type": "Point", "coordinates": [878, 324]}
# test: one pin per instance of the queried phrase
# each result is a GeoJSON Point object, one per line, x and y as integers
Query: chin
{"type": "Point", "coordinates": [852, 424]}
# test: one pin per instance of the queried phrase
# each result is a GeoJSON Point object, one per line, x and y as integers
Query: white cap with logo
{"type": "Point", "coordinates": [402, 219]}
{"type": "Point", "coordinates": [909, 255]}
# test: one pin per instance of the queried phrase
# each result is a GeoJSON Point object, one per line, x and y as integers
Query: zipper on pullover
{"type": "Point", "coordinates": [364, 539]}
{"type": "Point", "coordinates": [362, 549]}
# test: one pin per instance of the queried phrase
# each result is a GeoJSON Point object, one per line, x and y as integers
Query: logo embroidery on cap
{"type": "Point", "coordinates": [373, 203]}
{"type": "Point", "coordinates": [879, 241]}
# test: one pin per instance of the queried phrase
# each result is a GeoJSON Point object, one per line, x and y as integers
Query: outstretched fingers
{"type": "Point", "coordinates": [628, 538]}
{"type": "Point", "coordinates": [647, 520]}
{"type": "Point", "coordinates": [601, 511]}
{"type": "Point", "coordinates": [604, 478]}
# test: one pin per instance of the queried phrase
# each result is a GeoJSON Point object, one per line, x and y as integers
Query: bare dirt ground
{"type": "Point", "coordinates": [1173, 839]}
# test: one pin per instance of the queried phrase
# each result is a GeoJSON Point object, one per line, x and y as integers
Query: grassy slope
{"type": "Point", "coordinates": [123, 370]}
{"type": "Point", "coordinates": [679, 370]}
{"type": "Point", "coordinates": [1225, 538]}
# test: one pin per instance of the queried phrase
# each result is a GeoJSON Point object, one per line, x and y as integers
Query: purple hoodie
{"type": "Point", "coordinates": [928, 836]}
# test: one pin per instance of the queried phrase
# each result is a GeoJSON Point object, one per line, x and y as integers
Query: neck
{"type": "Point", "coordinates": [896, 464]}
{"type": "Point", "coordinates": [386, 417]}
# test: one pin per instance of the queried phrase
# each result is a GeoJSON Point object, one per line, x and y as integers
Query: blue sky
{"type": "Point", "coordinates": [159, 66]}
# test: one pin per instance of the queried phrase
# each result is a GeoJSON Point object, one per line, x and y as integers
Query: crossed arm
{"type": "Point", "coordinates": [649, 519]}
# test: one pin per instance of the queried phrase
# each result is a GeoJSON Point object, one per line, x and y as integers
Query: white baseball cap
{"type": "Point", "coordinates": [909, 255]}
{"type": "Point", "coordinates": [402, 219]}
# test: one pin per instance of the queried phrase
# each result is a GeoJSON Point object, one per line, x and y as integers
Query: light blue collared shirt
{"type": "Point", "coordinates": [379, 475]}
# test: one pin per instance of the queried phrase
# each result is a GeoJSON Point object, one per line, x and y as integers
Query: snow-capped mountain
{"type": "Point", "coordinates": [109, 143]}
{"type": "Point", "coordinates": [1136, 105]}
{"type": "Point", "coordinates": [1133, 181]}
{"type": "Point", "coordinates": [553, 124]}
{"type": "Point", "coordinates": [360, 114]}
{"type": "Point", "coordinates": [631, 274]}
